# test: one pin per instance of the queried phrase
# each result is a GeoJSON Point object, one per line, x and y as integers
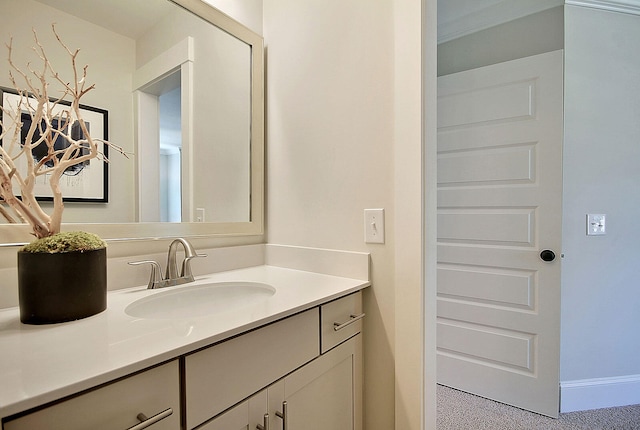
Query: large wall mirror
{"type": "Point", "coordinates": [183, 87]}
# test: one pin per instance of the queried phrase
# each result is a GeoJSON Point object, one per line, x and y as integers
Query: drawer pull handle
{"type": "Point", "coordinates": [146, 422]}
{"type": "Point", "coordinates": [283, 415]}
{"type": "Point", "coordinates": [265, 423]}
{"type": "Point", "coordinates": [354, 318]}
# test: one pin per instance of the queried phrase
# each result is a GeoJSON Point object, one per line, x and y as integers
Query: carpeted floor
{"type": "Point", "coordinates": [461, 411]}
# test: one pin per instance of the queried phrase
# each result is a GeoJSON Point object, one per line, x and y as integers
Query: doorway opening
{"type": "Point", "coordinates": [160, 149]}
{"type": "Point", "coordinates": [170, 147]}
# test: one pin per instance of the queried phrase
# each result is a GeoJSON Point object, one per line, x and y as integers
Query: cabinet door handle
{"type": "Point", "coordinates": [146, 422]}
{"type": "Point", "coordinates": [339, 326]}
{"type": "Point", "coordinates": [283, 415]}
{"type": "Point", "coordinates": [265, 423]}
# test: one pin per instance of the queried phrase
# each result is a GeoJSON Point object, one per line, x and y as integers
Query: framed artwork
{"type": "Point", "coordinates": [87, 182]}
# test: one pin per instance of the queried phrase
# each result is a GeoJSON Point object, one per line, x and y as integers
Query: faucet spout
{"type": "Point", "coordinates": [190, 253]}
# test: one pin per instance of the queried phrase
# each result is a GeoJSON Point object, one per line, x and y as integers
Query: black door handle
{"type": "Point", "coordinates": [548, 255]}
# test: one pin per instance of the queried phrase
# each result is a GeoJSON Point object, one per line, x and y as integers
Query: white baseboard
{"type": "Point", "coordinates": [599, 393]}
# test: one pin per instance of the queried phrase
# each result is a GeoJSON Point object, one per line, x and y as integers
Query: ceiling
{"type": "Point", "coordinates": [457, 18]}
{"type": "Point", "coordinates": [451, 10]}
{"type": "Point", "coordinates": [140, 15]}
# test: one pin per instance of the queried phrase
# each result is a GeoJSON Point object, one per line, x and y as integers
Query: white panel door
{"type": "Point", "coordinates": [499, 207]}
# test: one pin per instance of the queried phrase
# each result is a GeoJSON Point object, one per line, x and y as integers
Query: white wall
{"type": "Point", "coordinates": [601, 274]}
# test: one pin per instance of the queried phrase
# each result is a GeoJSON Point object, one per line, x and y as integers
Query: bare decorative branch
{"type": "Point", "coordinates": [50, 121]}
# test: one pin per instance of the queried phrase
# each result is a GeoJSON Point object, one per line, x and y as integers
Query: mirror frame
{"type": "Point", "coordinates": [18, 234]}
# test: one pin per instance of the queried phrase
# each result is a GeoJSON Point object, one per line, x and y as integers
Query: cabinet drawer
{"type": "Point", "coordinates": [340, 320]}
{"type": "Point", "coordinates": [222, 375]}
{"type": "Point", "coordinates": [114, 406]}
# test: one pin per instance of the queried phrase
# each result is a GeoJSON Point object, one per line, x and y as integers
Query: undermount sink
{"type": "Point", "coordinates": [200, 300]}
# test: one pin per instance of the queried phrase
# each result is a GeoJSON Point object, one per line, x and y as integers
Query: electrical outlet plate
{"type": "Point", "coordinates": [596, 224]}
{"type": "Point", "coordinates": [374, 225]}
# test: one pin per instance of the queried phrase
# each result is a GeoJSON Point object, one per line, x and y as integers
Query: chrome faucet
{"type": "Point", "coordinates": [172, 276]}
{"type": "Point", "coordinates": [172, 266]}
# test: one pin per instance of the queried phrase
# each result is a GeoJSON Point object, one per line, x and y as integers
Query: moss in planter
{"type": "Point", "coordinates": [66, 242]}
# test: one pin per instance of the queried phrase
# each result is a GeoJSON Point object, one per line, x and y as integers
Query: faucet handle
{"type": "Point", "coordinates": [155, 279]}
{"type": "Point", "coordinates": [186, 266]}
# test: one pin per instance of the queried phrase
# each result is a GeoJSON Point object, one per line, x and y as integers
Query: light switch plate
{"type": "Point", "coordinates": [199, 214]}
{"type": "Point", "coordinates": [596, 224]}
{"type": "Point", "coordinates": [374, 225]}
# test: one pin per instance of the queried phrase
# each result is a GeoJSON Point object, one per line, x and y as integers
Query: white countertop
{"type": "Point", "coordinates": [39, 364]}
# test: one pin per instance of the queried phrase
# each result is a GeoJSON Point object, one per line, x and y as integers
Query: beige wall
{"type": "Point", "coordinates": [344, 134]}
{"type": "Point", "coordinates": [330, 152]}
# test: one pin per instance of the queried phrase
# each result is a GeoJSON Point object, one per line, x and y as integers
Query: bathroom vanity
{"type": "Point", "coordinates": [292, 360]}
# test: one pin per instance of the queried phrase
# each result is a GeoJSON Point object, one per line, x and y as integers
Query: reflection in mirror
{"type": "Point", "coordinates": [214, 111]}
{"type": "Point", "coordinates": [182, 94]}
{"type": "Point", "coordinates": [170, 146]}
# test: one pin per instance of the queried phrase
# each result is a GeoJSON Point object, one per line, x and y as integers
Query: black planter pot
{"type": "Point", "coordinates": [54, 288]}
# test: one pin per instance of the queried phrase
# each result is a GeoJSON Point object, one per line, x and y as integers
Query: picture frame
{"type": "Point", "coordinates": [88, 182]}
